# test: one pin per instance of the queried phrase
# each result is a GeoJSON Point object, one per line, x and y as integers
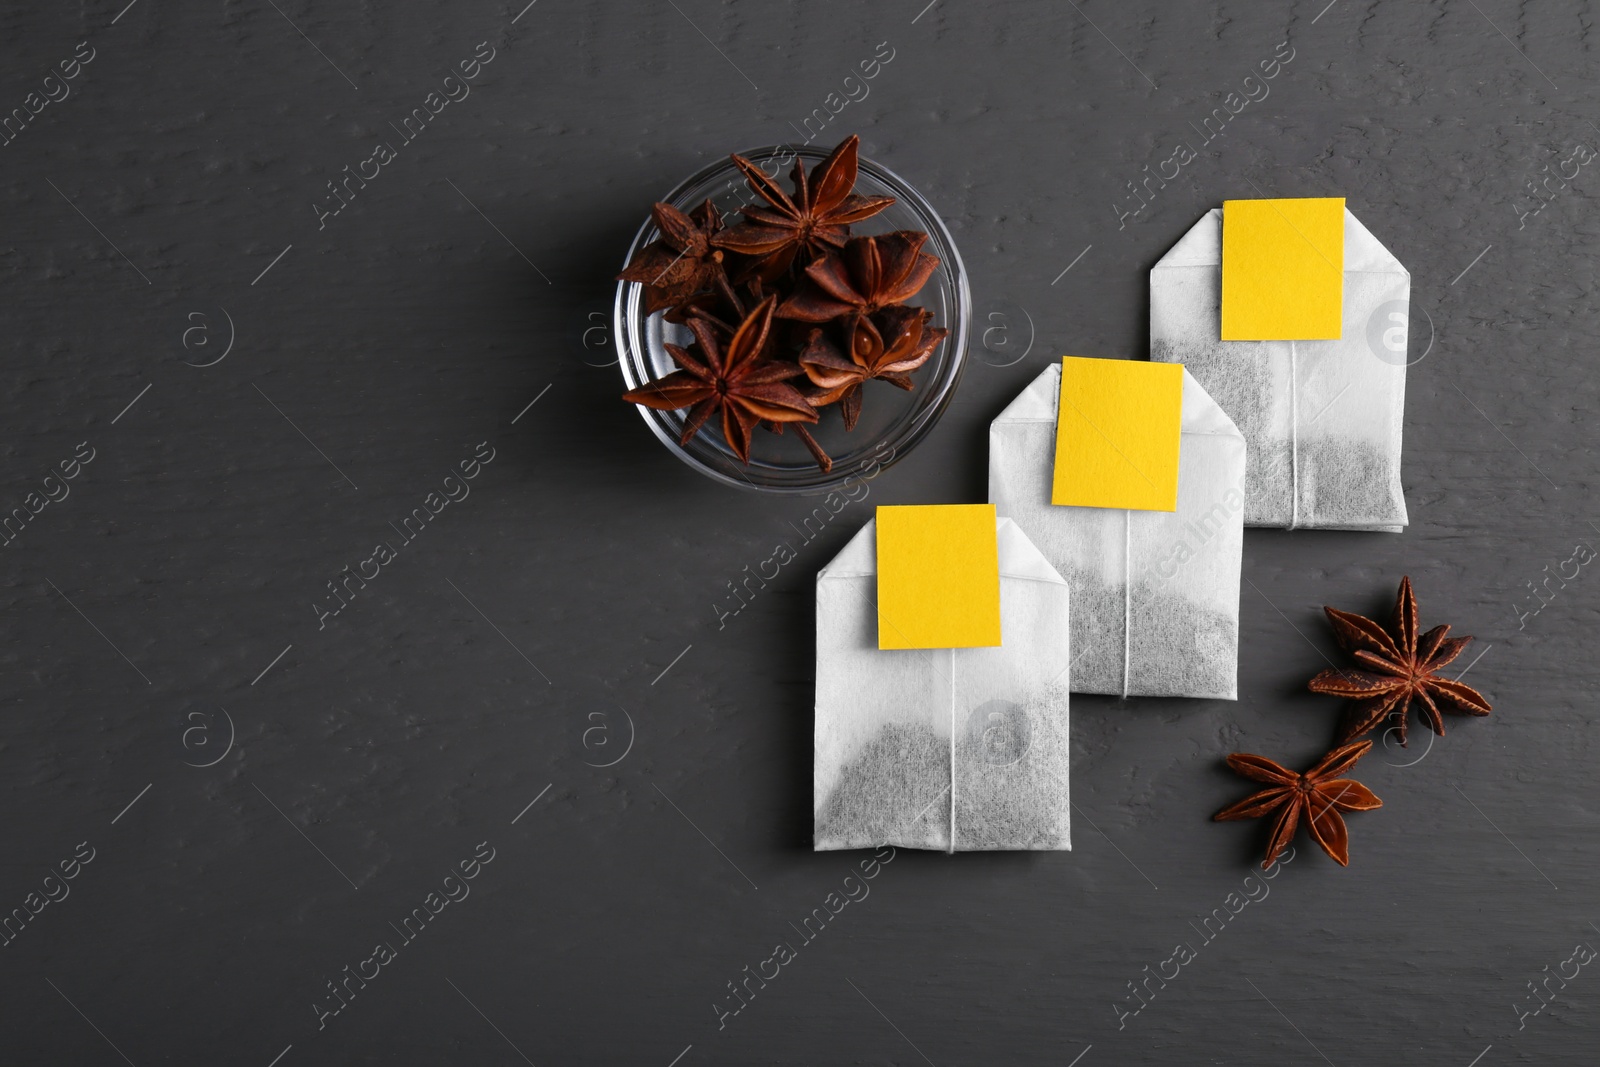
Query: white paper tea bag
{"type": "Point", "coordinates": [957, 749]}
{"type": "Point", "coordinates": [1322, 417]}
{"type": "Point", "coordinates": [1155, 594]}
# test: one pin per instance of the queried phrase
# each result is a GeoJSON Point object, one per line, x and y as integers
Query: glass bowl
{"type": "Point", "coordinates": [892, 420]}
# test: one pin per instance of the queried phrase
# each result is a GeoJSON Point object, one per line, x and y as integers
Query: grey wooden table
{"type": "Point", "coordinates": [521, 754]}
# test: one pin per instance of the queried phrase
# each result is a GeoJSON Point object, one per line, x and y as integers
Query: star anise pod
{"type": "Point", "coordinates": [1318, 795]}
{"type": "Point", "coordinates": [682, 261]}
{"type": "Point", "coordinates": [872, 273]}
{"type": "Point", "coordinates": [816, 218]}
{"type": "Point", "coordinates": [903, 345]}
{"type": "Point", "coordinates": [824, 461]}
{"type": "Point", "coordinates": [1404, 667]}
{"type": "Point", "coordinates": [723, 306]}
{"type": "Point", "coordinates": [733, 378]}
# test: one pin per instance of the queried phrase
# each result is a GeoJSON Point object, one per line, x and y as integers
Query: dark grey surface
{"type": "Point", "coordinates": [379, 751]}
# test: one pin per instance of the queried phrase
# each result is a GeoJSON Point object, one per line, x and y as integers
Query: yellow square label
{"type": "Point", "coordinates": [1282, 269]}
{"type": "Point", "coordinates": [938, 576]}
{"type": "Point", "coordinates": [1117, 434]}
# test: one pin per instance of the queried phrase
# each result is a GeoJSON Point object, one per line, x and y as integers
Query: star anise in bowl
{"type": "Point", "coordinates": [870, 274]}
{"type": "Point", "coordinates": [683, 261]}
{"type": "Point", "coordinates": [736, 379]}
{"type": "Point", "coordinates": [888, 354]}
{"type": "Point", "coordinates": [837, 309]}
{"type": "Point", "coordinates": [806, 225]}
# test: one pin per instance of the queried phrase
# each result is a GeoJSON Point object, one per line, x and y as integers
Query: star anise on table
{"type": "Point", "coordinates": [817, 217]}
{"type": "Point", "coordinates": [1403, 668]}
{"type": "Point", "coordinates": [1317, 795]}
{"type": "Point", "coordinates": [733, 377]}
{"type": "Point", "coordinates": [872, 273]}
{"type": "Point", "coordinates": [682, 261]}
{"type": "Point", "coordinates": [904, 344]}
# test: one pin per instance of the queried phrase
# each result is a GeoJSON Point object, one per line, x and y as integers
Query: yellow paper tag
{"type": "Point", "coordinates": [938, 576]}
{"type": "Point", "coordinates": [1117, 430]}
{"type": "Point", "coordinates": [1282, 269]}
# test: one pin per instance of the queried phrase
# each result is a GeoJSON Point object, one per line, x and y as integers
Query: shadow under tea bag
{"type": "Point", "coordinates": [1155, 593]}
{"type": "Point", "coordinates": [1321, 405]}
{"type": "Point", "coordinates": [958, 749]}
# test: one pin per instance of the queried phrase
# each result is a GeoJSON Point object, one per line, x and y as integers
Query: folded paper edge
{"type": "Point", "coordinates": [1201, 246]}
{"type": "Point", "coordinates": [1020, 558]}
{"type": "Point", "coordinates": [1203, 415]}
{"type": "Point", "coordinates": [1039, 400]}
{"type": "Point", "coordinates": [858, 557]}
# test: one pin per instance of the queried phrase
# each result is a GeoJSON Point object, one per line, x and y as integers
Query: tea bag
{"type": "Point", "coordinates": [1155, 594]}
{"type": "Point", "coordinates": [950, 748]}
{"type": "Point", "coordinates": [1322, 418]}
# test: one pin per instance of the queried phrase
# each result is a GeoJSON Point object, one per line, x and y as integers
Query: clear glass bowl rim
{"type": "Point", "coordinates": [628, 310]}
